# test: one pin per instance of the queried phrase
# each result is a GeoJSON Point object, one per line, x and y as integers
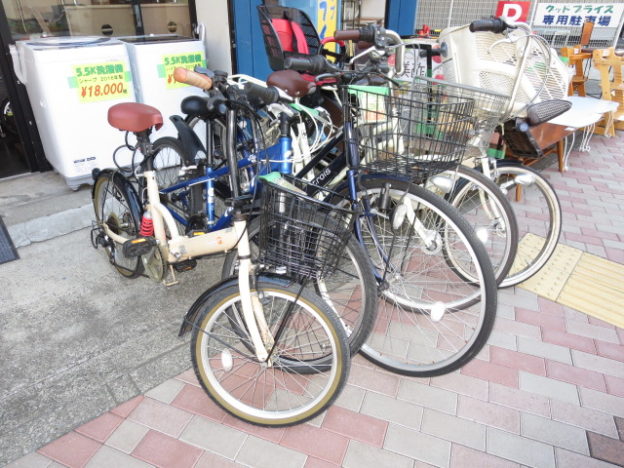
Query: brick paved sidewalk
{"type": "Point", "coordinates": [547, 390]}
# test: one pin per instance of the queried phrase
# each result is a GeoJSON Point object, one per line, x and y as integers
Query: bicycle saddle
{"type": "Point", "coordinates": [291, 82]}
{"type": "Point", "coordinates": [134, 117]}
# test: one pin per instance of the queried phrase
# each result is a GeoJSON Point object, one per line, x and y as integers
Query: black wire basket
{"type": "Point", "coordinates": [300, 235]}
{"type": "Point", "coordinates": [412, 131]}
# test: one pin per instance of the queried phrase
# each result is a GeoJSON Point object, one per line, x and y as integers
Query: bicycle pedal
{"type": "Point", "coordinates": [139, 246]}
{"type": "Point", "coordinates": [185, 265]}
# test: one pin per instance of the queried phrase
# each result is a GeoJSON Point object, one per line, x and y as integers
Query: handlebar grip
{"type": "Point", "coordinates": [182, 75]}
{"type": "Point", "coordinates": [347, 35]}
{"type": "Point", "coordinates": [495, 25]}
{"type": "Point", "coordinates": [315, 64]}
{"type": "Point", "coordinates": [260, 95]}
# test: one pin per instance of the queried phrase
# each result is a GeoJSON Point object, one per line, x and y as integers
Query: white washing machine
{"type": "Point", "coordinates": [153, 60]}
{"type": "Point", "coordinates": [71, 84]}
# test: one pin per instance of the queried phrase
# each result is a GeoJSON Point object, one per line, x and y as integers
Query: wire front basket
{"type": "Point", "coordinates": [489, 106]}
{"type": "Point", "coordinates": [413, 131]}
{"type": "Point", "coordinates": [300, 235]}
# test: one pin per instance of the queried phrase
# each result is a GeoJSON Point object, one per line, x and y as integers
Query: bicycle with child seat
{"type": "Point", "coordinates": [264, 348]}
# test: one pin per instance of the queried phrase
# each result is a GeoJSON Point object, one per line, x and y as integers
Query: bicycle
{"type": "Point", "coordinates": [250, 332]}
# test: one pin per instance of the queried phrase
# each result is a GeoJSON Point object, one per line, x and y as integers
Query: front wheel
{"type": "Point", "coordinates": [289, 388]}
{"type": "Point", "coordinates": [432, 319]}
{"type": "Point", "coordinates": [538, 212]}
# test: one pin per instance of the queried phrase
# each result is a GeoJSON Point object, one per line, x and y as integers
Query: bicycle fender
{"type": "Point", "coordinates": [189, 139]}
{"type": "Point", "coordinates": [128, 189]}
{"type": "Point", "coordinates": [189, 319]}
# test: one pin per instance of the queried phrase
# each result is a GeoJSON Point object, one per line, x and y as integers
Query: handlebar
{"type": "Point", "coordinates": [182, 75]}
{"type": "Point", "coordinates": [494, 25]}
{"type": "Point", "coordinates": [365, 34]}
{"type": "Point", "coordinates": [261, 96]}
{"type": "Point", "coordinates": [314, 65]}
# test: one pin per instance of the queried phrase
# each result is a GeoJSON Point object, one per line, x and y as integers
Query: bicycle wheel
{"type": "Point", "coordinates": [186, 203]}
{"type": "Point", "coordinates": [431, 319]}
{"type": "Point", "coordinates": [117, 206]}
{"type": "Point", "coordinates": [485, 207]}
{"type": "Point", "coordinates": [288, 390]}
{"type": "Point", "coordinates": [538, 212]}
{"type": "Point", "coordinates": [350, 291]}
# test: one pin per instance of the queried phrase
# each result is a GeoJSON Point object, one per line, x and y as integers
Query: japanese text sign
{"type": "Point", "coordinates": [100, 81]}
{"type": "Point", "coordinates": [170, 62]}
{"type": "Point", "coordinates": [603, 15]}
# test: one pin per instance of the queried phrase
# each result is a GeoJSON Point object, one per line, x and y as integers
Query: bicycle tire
{"type": "Point", "coordinates": [480, 201]}
{"type": "Point", "coordinates": [355, 264]}
{"type": "Point", "coordinates": [187, 202]}
{"type": "Point", "coordinates": [116, 204]}
{"type": "Point", "coordinates": [538, 213]}
{"type": "Point", "coordinates": [284, 376]}
{"type": "Point", "coordinates": [409, 334]}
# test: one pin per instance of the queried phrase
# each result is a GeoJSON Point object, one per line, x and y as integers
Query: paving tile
{"type": "Point", "coordinates": [107, 457]}
{"type": "Point", "coordinates": [127, 436]}
{"type": "Point", "coordinates": [610, 350]}
{"type": "Point", "coordinates": [213, 460]}
{"type": "Point", "coordinates": [166, 391]}
{"type": "Point", "coordinates": [598, 363]}
{"type": "Point", "coordinates": [491, 372]}
{"type": "Point", "coordinates": [549, 307]}
{"type": "Point", "coordinates": [601, 401]}
{"type": "Point", "coordinates": [565, 459]}
{"type": "Point", "coordinates": [540, 319]}
{"type": "Point", "coordinates": [417, 445]}
{"type": "Point", "coordinates": [194, 400]}
{"type": "Point", "coordinates": [592, 331]}
{"type": "Point", "coordinates": [462, 384]}
{"type": "Point", "coordinates": [503, 340]}
{"type": "Point", "coordinates": [455, 429]}
{"type": "Point", "coordinates": [544, 350]}
{"type": "Point", "coordinates": [370, 379]}
{"type": "Point", "coordinates": [128, 407]}
{"type": "Point", "coordinates": [188, 376]}
{"type": "Point", "coordinates": [548, 387]}
{"type": "Point", "coordinates": [393, 410]}
{"type": "Point", "coordinates": [516, 360]}
{"type": "Point", "coordinates": [489, 414]}
{"type": "Point", "coordinates": [262, 454]}
{"type": "Point", "coordinates": [569, 341]}
{"type": "Point", "coordinates": [573, 315]}
{"type": "Point", "coordinates": [32, 460]}
{"type": "Point", "coordinates": [520, 400]}
{"type": "Point", "coordinates": [316, 442]}
{"type": "Point", "coordinates": [355, 425]}
{"type": "Point", "coordinates": [213, 436]}
{"type": "Point", "coordinates": [519, 449]}
{"type": "Point", "coordinates": [313, 462]}
{"type": "Point", "coordinates": [429, 397]}
{"type": "Point", "coordinates": [517, 328]}
{"type": "Point", "coordinates": [73, 450]}
{"type": "Point", "coordinates": [585, 418]}
{"type": "Point", "coordinates": [605, 448]}
{"type": "Point", "coordinates": [163, 418]}
{"type": "Point", "coordinates": [466, 457]}
{"type": "Point", "coordinates": [361, 455]}
{"type": "Point", "coordinates": [554, 433]}
{"type": "Point", "coordinates": [619, 423]}
{"type": "Point", "coordinates": [272, 434]}
{"type": "Point", "coordinates": [600, 323]}
{"type": "Point", "coordinates": [351, 397]}
{"type": "Point", "coordinates": [101, 427]}
{"type": "Point", "coordinates": [575, 375]}
{"type": "Point", "coordinates": [163, 451]}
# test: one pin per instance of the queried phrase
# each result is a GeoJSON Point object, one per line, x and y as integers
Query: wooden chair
{"type": "Point", "coordinates": [577, 55]}
{"type": "Point", "coordinates": [611, 85]}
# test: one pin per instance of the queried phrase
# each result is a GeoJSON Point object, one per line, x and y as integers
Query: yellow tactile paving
{"type": "Point", "coordinates": [582, 281]}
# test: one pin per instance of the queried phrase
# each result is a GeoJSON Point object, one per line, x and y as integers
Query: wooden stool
{"type": "Point", "coordinates": [576, 57]}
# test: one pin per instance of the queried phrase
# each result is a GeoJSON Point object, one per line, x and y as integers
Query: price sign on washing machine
{"type": "Point", "coordinates": [172, 61]}
{"type": "Point", "coordinates": [100, 81]}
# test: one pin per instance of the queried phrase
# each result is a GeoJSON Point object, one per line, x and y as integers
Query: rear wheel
{"type": "Point", "coordinates": [117, 207]}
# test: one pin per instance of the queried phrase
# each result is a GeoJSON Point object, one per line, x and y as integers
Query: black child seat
{"type": "Point", "coordinates": [287, 32]}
